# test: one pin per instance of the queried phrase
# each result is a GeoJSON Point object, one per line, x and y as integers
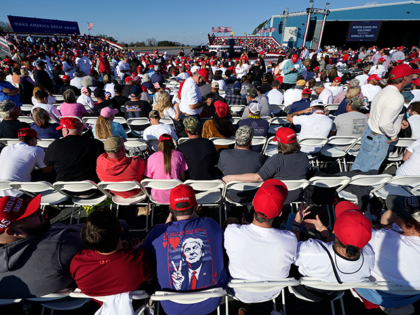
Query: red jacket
{"type": "Point", "coordinates": [104, 65]}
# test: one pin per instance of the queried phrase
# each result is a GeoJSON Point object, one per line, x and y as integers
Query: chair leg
{"type": "Point", "coordinates": [52, 312]}
{"type": "Point", "coordinates": [227, 304]}
{"type": "Point", "coordinates": [118, 209]}
{"type": "Point", "coordinates": [226, 216]}
{"type": "Point", "coordinates": [153, 211]}
{"type": "Point", "coordinates": [72, 212]}
{"type": "Point", "coordinates": [343, 311]}
{"type": "Point", "coordinates": [43, 310]}
{"type": "Point", "coordinates": [283, 300]}
{"type": "Point", "coordinates": [332, 308]}
{"type": "Point", "coordinates": [274, 305]}
{"type": "Point", "coordinates": [147, 218]}
{"type": "Point", "coordinates": [218, 310]}
{"type": "Point", "coordinates": [80, 212]}
{"type": "Point", "coordinates": [345, 164]}
{"type": "Point", "coordinates": [339, 165]}
{"type": "Point", "coordinates": [157, 307]}
{"type": "Point", "coordinates": [220, 214]}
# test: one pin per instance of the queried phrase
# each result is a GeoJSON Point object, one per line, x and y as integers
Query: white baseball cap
{"type": "Point", "coordinates": [317, 103]}
{"type": "Point", "coordinates": [255, 107]}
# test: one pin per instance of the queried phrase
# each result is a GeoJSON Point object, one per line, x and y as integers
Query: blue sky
{"type": "Point", "coordinates": [185, 21]}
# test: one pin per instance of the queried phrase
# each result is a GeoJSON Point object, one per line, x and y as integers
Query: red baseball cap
{"type": "Point", "coordinates": [165, 137]}
{"type": "Point", "coordinates": [203, 73]}
{"type": "Point", "coordinates": [127, 79]}
{"type": "Point", "coordinates": [307, 91]}
{"type": "Point", "coordinates": [222, 109]}
{"type": "Point", "coordinates": [269, 199]}
{"type": "Point", "coordinates": [70, 123]}
{"type": "Point", "coordinates": [27, 132]}
{"type": "Point", "coordinates": [353, 228]}
{"type": "Point", "coordinates": [13, 209]}
{"type": "Point", "coordinates": [337, 80]}
{"type": "Point", "coordinates": [416, 71]}
{"type": "Point", "coordinates": [316, 68]}
{"type": "Point", "coordinates": [359, 60]}
{"type": "Point", "coordinates": [374, 77]}
{"type": "Point", "coordinates": [344, 206]}
{"type": "Point", "coordinates": [294, 58]}
{"type": "Point", "coordinates": [182, 193]}
{"type": "Point", "coordinates": [66, 78]}
{"type": "Point", "coordinates": [400, 71]}
{"type": "Point", "coordinates": [416, 82]}
{"type": "Point", "coordinates": [381, 59]}
{"type": "Point", "coordinates": [285, 135]}
{"type": "Point", "coordinates": [138, 68]}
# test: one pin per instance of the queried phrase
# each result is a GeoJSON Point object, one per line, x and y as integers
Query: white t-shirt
{"type": "Point", "coordinates": [122, 66]}
{"type": "Point", "coordinates": [85, 100]}
{"type": "Point", "coordinates": [155, 131]}
{"type": "Point", "coordinates": [77, 82]}
{"type": "Point", "coordinates": [292, 95]}
{"type": "Point", "coordinates": [315, 125]}
{"type": "Point", "coordinates": [222, 84]}
{"type": "Point", "coordinates": [412, 165]}
{"type": "Point", "coordinates": [414, 121]}
{"type": "Point", "coordinates": [397, 257]}
{"type": "Point", "coordinates": [190, 94]}
{"type": "Point", "coordinates": [17, 161]}
{"type": "Point", "coordinates": [380, 71]}
{"type": "Point", "coordinates": [313, 261]}
{"type": "Point", "coordinates": [50, 109]}
{"type": "Point", "coordinates": [51, 100]}
{"type": "Point", "coordinates": [257, 253]}
{"type": "Point", "coordinates": [183, 76]}
{"type": "Point", "coordinates": [326, 96]}
{"type": "Point", "coordinates": [334, 89]}
{"type": "Point", "coordinates": [362, 79]}
{"type": "Point", "coordinates": [370, 91]}
{"type": "Point", "coordinates": [275, 97]}
{"type": "Point", "coordinates": [109, 87]}
{"type": "Point", "coordinates": [84, 64]}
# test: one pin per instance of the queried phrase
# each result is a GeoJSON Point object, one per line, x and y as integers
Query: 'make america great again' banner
{"type": "Point", "coordinates": [22, 24]}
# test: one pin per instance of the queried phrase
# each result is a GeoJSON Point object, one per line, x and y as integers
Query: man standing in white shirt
{"type": "Point", "coordinates": [84, 64]}
{"type": "Point", "coordinates": [17, 161]}
{"type": "Point", "coordinates": [318, 124]}
{"type": "Point", "coordinates": [191, 100]}
{"type": "Point", "coordinates": [385, 121]}
{"type": "Point", "coordinates": [268, 252]}
{"type": "Point", "coordinates": [324, 95]}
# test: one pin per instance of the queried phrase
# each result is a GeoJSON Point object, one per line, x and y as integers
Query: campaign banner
{"type": "Point", "coordinates": [363, 31]}
{"type": "Point", "coordinates": [21, 24]}
{"type": "Point", "coordinates": [221, 29]}
{"type": "Point", "coordinates": [6, 46]}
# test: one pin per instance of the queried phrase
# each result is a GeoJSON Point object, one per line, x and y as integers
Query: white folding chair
{"type": "Point", "coordinates": [264, 286]}
{"type": "Point", "coordinates": [8, 141]}
{"type": "Point", "coordinates": [49, 195]}
{"type": "Point", "coordinates": [153, 143]}
{"type": "Point", "coordinates": [396, 157]}
{"type": "Point", "coordinates": [90, 120]}
{"type": "Point", "coordinates": [400, 185]}
{"type": "Point", "coordinates": [332, 107]}
{"type": "Point", "coordinates": [311, 146]}
{"type": "Point", "coordinates": [276, 108]}
{"type": "Point", "coordinates": [77, 189]}
{"type": "Point", "coordinates": [166, 121]}
{"type": "Point", "coordinates": [188, 297]}
{"type": "Point", "coordinates": [209, 193]}
{"type": "Point", "coordinates": [182, 140]}
{"type": "Point", "coordinates": [223, 141]}
{"type": "Point", "coordinates": [26, 119]}
{"type": "Point", "coordinates": [237, 110]}
{"type": "Point", "coordinates": [276, 123]}
{"type": "Point", "coordinates": [270, 147]}
{"type": "Point", "coordinates": [337, 147]}
{"type": "Point", "coordinates": [135, 295]}
{"type": "Point", "coordinates": [235, 187]}
{"type": "Point", "coordinates": [58, 97]}
{"type": "Point", "coordinates": [137, 143]}
{"type": "Point", "coordinates": [26, 107]}
{"type": "Point", "coordinates": [292, 185]}
{"type": "Point", "coordinates": [120, 201]}
{"type": "Point", "coordinates": [44, 143]}
{"type": "Point", "coordinates": [235, 120]}
{"type": "Point", "coordinates": [259, 141]}
{"type": "Point", "coordinates": [137, 125]}
{"type": "Point", "coordinates": [158, 184]}
{"type": "Point", "coordinates": [122, 121]}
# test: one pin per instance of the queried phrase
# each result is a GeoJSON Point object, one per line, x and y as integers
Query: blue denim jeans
{"type": "Point", "coordinates": [372, 152]}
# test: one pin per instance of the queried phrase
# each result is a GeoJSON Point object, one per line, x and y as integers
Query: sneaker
{"type": "Point", "coordinates": [403, 310]}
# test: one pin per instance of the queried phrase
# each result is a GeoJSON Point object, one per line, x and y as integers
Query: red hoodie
{"type": "Point", "coordinates": [120, 170]}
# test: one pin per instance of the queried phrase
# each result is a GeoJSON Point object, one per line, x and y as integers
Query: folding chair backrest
{"type": "Point", "coordinates": [235, 120]}
{"type": "Point", "coordinates": [140, 123]}
{"type": "Point", "coordinates": [120, 186]}
{"type": "Point", "coordinates": [90, 120]}
{"type": "Point", "coordinates": [331, 107]}
{"type": "Point", "coordinates": [8, 141]}
{"type": "Point", "coordinates": [135, 295]}
{"type": "Point", "coordinates": [44, 143]}
{"type": "Point", "coordinates": [5, 184]}
{"type": "Point", "coordinates": [137, 143]}
{"type": "Point", "coordinates": [120, 120]}
{"type": "Point", "coordinates": [160, 184]}
{"type": "Point", "coordinates": [329, 182]}
{"type": "Point", "coordinates": [341, 140]}
{"type": "Point", "coordinates": [279, 121]}
{"type": "Point", "coordinates": [404, 142]}
{"type": "Point", "coordinates": [237, 108]}
{"type": "Point", "coordinates": [166, 121]}
{"type": "Point", "coordinates": [259, 141]}
{"type": "Point", "coordinates": [335, 286]}
{"type": "Point", "coordinates": [370, 180]}
{"type": "Point", "coordinates": [32, 187]}
{"type": "Point", "coordinates": [235, 187]}
{"type": "Point", "coordinates": [182, 140]}
{"type": "Point", "coordinates": [405, 180]}
{"type": "Point", "coordinates": [188, 297]}
{"type": "Point", "coordinates": [223, 141]}
{"type": "Point", "coordinates": [206, 185]}
{"type": "Point", "coordinates": [313, 141]}
{"type": "Point", "coordinates": [262, 286]}
{"type": "Point", "coordinates": [296, 184]}
{"type": "Point", "coordinates": [75, 187]}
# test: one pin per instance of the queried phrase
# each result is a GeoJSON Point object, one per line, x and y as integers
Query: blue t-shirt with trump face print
{"type": "Point", "coordinates": [189, 255]}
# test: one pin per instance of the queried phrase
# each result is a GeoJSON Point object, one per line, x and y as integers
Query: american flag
{"type": "Point", "coordinates": [215, 29]}
{"type": "Point", "coordinates": [221, 29]}
{"type": "Point", "coordinates": [90, 25]}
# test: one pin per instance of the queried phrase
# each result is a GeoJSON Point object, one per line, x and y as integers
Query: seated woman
{"type": "Point", "coordinates": [70, 107]}
{"type": "Point", "coordinates": [51, 100]}
{"type": "Point", "coordinates": [351, 92]}
{"type": "Point", "coordinates": [220, 125]}
{"type": "Point", "coordinates": [42, 125]}
{"type": "Point", "coordinates": [28, 85]}
{"type": "Point", "coordinates": [165, 107]}
{"type": "Point", "coordinates": [397, 248]}
{"type": "Point", "coordinates": [105, 127]}
{"type": "Point", "coordinates": [166, 163]}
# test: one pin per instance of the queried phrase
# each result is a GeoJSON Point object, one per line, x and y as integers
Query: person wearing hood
{"type": "Point", "coordinates": [115, 166]}
{"type": "Point", "coordinates": [35, 256]}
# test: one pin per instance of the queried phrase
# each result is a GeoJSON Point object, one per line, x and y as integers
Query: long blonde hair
{"type": "Point", "coordinates": [353, 92]}
{"type": "Point", "coordinates": [163, 102]}
{"type": "Point", "coordinates": [103, 128]}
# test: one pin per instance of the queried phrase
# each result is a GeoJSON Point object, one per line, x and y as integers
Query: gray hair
{"type": "Point", "coordinates": [318, 85]}
{"type": "Point", "coordinates": [146, 78]}
{"type": "Point", "coordinates": [181, 69]}
{"type": "Point", "coordinates": [6, 107]}
{"type": "Point", "coordinates": [69, 96]}
{"type": "Point", "coordinates": [87, 81]}
{"type": "Point", "coordinates": [195, 74]}
{"type": "Point", "coordinates": [354, 83]}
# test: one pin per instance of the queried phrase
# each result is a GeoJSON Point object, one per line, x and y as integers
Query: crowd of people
{"type": "Point", "coordinates": [250, 44]}
{"type": "Point", "coordinates": [377, 101]}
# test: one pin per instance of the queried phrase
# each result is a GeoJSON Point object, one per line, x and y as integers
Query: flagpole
{"type": "Point", "coordinates": [88, 27]}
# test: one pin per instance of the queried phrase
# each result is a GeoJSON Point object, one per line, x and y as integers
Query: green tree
{"type": "Point", "coordinates": [110, 38]}
{"type": "Point", "coordinates": [258, 27]}
{"type": "Point", "coordinates": [5, 27]}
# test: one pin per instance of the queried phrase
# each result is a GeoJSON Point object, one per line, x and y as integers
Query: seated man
{"type": "Point", "coordinates": [348, 258]}
{"type": "Point", "coordinates": [294, 94]}
{"type": "Point", "coordinates": [411, 160]}
{"type": "Point", "coordinates": [189, 253]}
{"type": "Point", "coordinates": [10, 124]}
{"type": "Point", "coordinates": [67, 86]}
{"type": "Point", "coordinates": [254, 121]}
{"type": "Point", "coordinates": [35, 256]}
{"type": "Point", "coordinates": [42, 102]}
{"type": "Point", "coordinates": [372, 87]}
{"type": "Point", "coordinates": [324, 95]}
{"type": "Point", "coordinates": [335, 86]}
{"type": "Point", "coordinates": [300, 106]}
{"type": "Point", "coordinates": [275, 97]}
{"type": "Point", "coordinates": [398, 252]}
{"type": "Point", "coordinates": [157, 129]}
{"type": "Point", "coordinates": [258, 251]}
{"type": "Point", "coordinates": [127, 268]}
{"type": "Point", "coordinates": [115, 166]}
{"type": "Point", "coordinates": [235, 98]}
{"type": "Point", "coordinates": [288, 164]}
{"type": "Point", "coordinates": [18, 161]}
{"type": "Point", "coordinates": [74, 156]}
{"type": "Point", "coordinates": [318, 124]}
{"type": "Point", "coordinates": [199, 153]}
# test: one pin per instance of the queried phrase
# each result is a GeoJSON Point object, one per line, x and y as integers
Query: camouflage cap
{"type": "Point", "coordinates": [252, 92]}
{"type": "Point", "coordinates": [244, 135]}
{"type": "Point", "coordinates": [355, 102]}
{"type": "Point", "coordinates": [354, 83]}
{"type": "Point", "coordinates": [192, 124]}
{"type": "Point", "coordinates": [7, 105]}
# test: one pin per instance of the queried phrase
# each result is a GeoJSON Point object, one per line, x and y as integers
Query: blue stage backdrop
{"type": "Point", "coordinates": [21, 24]}
{"type": "Point", "coordinates": [363, 31]}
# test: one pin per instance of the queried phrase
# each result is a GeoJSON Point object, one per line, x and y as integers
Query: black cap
{"type": "Point", "coordinates": [404, 206]}
{"type": "Point", "coordinates": [257, 84]}
{"type": "Point", "coordinates": [40, 63]}
{"type": "Point", "coordinates": [99, 92]}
